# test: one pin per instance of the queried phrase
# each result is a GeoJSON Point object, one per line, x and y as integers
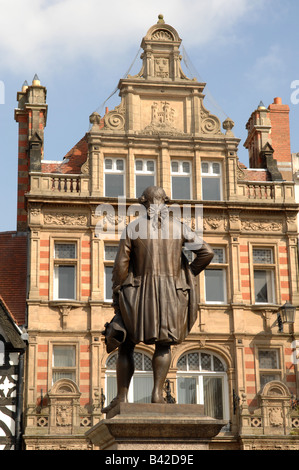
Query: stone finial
{"type": "Point", "coordinates": [95, 118]}
{"type": "Point", "coordinates": [228, 124]}
{"type": "Point", "coordinates": [161, 19]}
{"type": "Point", "coordinates": [36, 81]}
{"type": "Point", "coordinates": [24, 86]}
{"type": "Point", "coordinates": [261, 105]}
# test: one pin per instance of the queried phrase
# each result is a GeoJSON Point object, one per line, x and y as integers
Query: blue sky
{"type": "Point", "coordinates": [245, 50]}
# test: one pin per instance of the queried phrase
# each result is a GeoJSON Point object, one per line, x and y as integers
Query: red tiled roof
{"type": "Point", "coordinates": [72, 161]}
{"type": "Point", "coordinates": [13, 273]}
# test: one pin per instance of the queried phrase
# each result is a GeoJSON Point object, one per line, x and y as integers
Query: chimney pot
{"type": "Point", "coordinates": [277, 100]}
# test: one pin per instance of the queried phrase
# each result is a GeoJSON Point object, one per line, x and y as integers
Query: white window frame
{"type": "Point", "coordinates": [270, 269]}
{"type": "Point", "coordinates": [144, 170]}
{"type": "Point", "coordinates": [107, 262]}
{"type": "Point", "coordinates": [181, 173]}
{"type": "Point", "coordinates": [200, 374]}
{"type": "Point", "coordinates": [137, 373]}
{"type": "Point", "coordinates": [115, 171]}
{"type": "Point", "coordinates": [269, 371]}
{"type": "Point", "coordinates": [218, 266]}
{"type": "Point", "coordinates": [210, 174]}
{"type": "Point", "coordinates": [71, 369]}
{"type": "Point", "coordinates": [64, 262]}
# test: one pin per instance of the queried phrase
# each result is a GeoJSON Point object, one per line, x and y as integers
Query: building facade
{"type": "Point", "coordinates": [13, 337]}
{"type": "Point", "coordinates": [238, 361]}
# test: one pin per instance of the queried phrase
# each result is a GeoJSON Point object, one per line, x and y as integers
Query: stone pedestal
{"type": "Point", "coordinates": [131, 426]}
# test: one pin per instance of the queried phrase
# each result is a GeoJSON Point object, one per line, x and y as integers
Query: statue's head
{"type": "Point", "coordinates": [153, 195]}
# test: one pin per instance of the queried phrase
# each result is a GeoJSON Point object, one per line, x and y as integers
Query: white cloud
{"type": "Point", "coordinates": [44, 34]}
{"type": "Point", "coordinates": [268, 68]}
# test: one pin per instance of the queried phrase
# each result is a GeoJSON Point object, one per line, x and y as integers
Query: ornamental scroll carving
{"type": "Point", "coordinates": [115, 120]}
{"type": "Point", "coordinates": [259, 226]}
{"type": "Point", "coordinates": [209, 124]}
{"type": "Point", "coordinates": [65, 219]}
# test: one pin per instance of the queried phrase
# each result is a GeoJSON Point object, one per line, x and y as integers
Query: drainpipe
{"type": "Point", "coordinates": [19, 404]}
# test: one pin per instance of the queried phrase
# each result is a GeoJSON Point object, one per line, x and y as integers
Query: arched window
{"type": "Point", "coordinates": [202, 379]}
{"type": "Point", "coordinates": [141, 386]}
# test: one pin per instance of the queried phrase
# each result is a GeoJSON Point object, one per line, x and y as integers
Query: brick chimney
{"type": "Point", "coordinates": [268, 140]}
{"type": "Point", "coordinates": [31, 115]}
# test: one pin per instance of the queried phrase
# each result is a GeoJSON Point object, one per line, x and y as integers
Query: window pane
{"type": "Point", "coordinates": [218, 366]}
{"type": "Point", "coordinates": [218, 255]}
{"type": "Point", "coordinates": [206, 362]}
{"type": "Point", "coordinates": [119, 165]}
{"type": "Point", "coordinates": [110, 252]}
{"type": "Point", "coordinates": [205, 167]}
{"type": "Point", "coordinates": [265, 378]}
{"type": "Point", "coordinates": [64, 356]}
{"type": "Point", "coordinates": [111, 391]}
{"type": "Point", "coordinates": [143, 182]}
{"type": "Point", "coordinates": [216, 168]}
{"type": "Point", "coordinates": [108, 164]}
{"type": "Point", "coordinates": [138, 361]}
{"type": "Point", "coordinates": [150, 165]}
{"type": "Point", "coordinates": [143, 387]}
{"type": "Point", "coordinates": [214, 283]}
{"type": "Point", "coordinates": [262, 286]}
{"type": "Point", "coordinates": [114, 185]}
{"type": "Point", "coordinates": [181, 187]}
{"type": "Point", "coordinates": [175, 167]}
{"type": "Point", "coordinates": [147, 363]}
{"type": "Point", "coordinates": [262, 256]}
{"type": "Point", "coordinates": [108, 282]}
{"type": "Point", "coordinates": [182, 363]}
{"type": "Point", "coordinates": [268, 360]}
{"type": "Point", "coordinates": [211, 189]}
{"type": "Point", "coordinates": [66, 282]}
{"type": "Point", "coordinates": [111, 363]}
{"type": "Point", "coordinates": [186, 167]}
{"type": "Point", "coordinates": [65, 250]}
{"type": "Point", "coordinates": [193, 361]}
{"type": "Point", "coordinates": [213, 403]}
{"type": "Point", "coordinates": [63, 375]}
{"type": "Point", "coordinates": [187, 390]}
{"type": "Point", "coordinates": [139, 165]}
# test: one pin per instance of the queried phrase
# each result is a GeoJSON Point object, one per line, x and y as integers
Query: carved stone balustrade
{"type": "Point", "coordinates": [266, 191]}
{"type": "Point", "coordinates": [58, 184]}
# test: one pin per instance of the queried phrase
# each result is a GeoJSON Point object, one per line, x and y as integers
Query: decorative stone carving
{"type": "Point", "coordinates": [85, 167]}
{"type": "Point", "coordinates": [210, 124]}
{"type": "Point", "coordinates": [64, 415]}
{"type": "Point", "coordinates": [215, 223]}
{"type": "Point", "coordinates": [162, 67]}
{"type": "Point", "coordinates": [162, 119]}
{"type": "Point", "coordinates": [259, 226]}
{"type": "Point", "coordinates": [227, 125]}
{"type": "Point", "coordinates": [64, 407]}
{"type": "Point", "coordinates": [162, 35]}
{"type": "Point", "coordinates": [65, 219]}
{"type": "Point", "coordinates": [115, 120]}
{"type": "Point", "coordinates": [241, 175]}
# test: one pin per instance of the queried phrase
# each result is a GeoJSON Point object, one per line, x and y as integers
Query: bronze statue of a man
{"type": "Point", "coordinates": [154, 294]}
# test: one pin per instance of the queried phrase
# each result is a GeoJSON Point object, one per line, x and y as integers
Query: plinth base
{"type": "Point", "coordinates": [131, 426]}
